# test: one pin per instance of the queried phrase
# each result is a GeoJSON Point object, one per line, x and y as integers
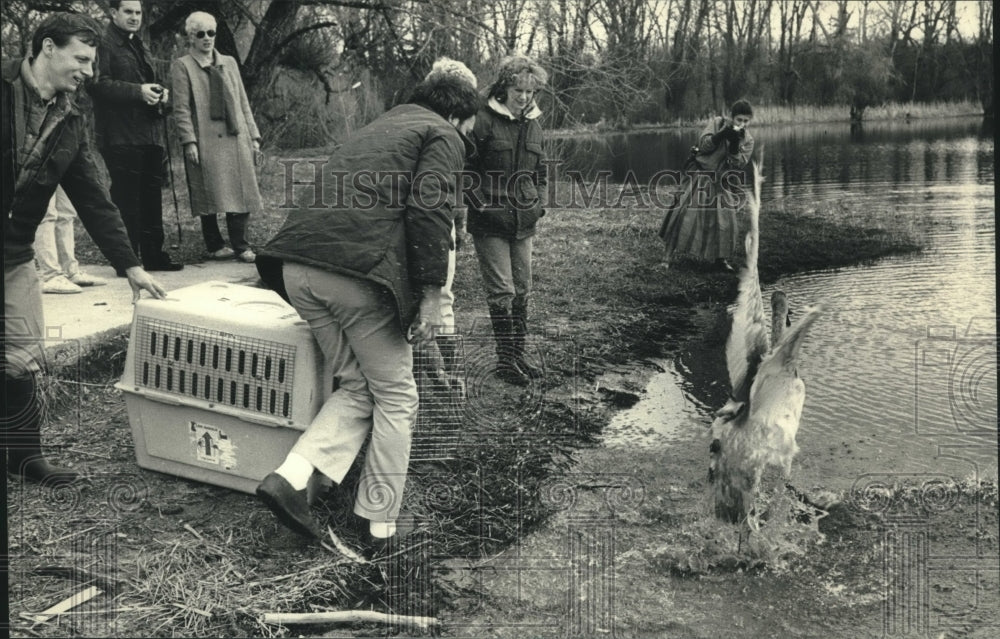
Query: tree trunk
{"type": "Point", "coordinates": [278, 21]}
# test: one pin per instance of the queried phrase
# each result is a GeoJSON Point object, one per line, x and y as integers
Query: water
{"type": "Point", "coordinates": [901, 370]}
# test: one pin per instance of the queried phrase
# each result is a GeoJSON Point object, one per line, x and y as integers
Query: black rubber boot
{"type": "Point", "coordinates": [21, 421]}
{"type": "Point", "coordinates": [519, 331]}
{"type": "Point", "coordinates": [507, 369]}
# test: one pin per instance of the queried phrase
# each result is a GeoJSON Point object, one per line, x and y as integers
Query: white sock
{"type": "Point", "coordinates": [382, 529]}
{"type": "Point", "coordinates": [296, 470]}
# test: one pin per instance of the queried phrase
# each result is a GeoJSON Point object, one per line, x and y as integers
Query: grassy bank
{"type": "Point", "coordinates": [774, 114]}
{"type": "Point", "coordinates": [782, 114]}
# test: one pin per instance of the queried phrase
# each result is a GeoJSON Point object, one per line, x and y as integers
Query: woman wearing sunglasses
{"type": "Point", "coordinates": [220, 139]}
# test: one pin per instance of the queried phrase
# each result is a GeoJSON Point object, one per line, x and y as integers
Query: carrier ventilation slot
{"type": "Point", "coordinates": [248, 373]}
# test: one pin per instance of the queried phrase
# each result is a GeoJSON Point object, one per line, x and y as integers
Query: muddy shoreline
{"type": "Point", "coordinates": [643, 557]}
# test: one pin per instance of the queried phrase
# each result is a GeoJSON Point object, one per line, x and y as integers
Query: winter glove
{"type": "Point", "coordinates": [734, 143]}
{"type": "Point", "coordinates": [723, 134]}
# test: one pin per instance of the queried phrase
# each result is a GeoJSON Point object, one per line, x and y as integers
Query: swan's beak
{"type": "Point", "coordinates": [788, 317]}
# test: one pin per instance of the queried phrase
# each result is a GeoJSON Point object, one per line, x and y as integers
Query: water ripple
{"type": "Point", "coordinates": [902, 366]}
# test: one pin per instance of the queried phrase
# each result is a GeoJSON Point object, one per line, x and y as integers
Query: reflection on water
{"type": "Point", "coordinates": [800, 154]}
{"type": "Point", "coordinates": [667, 412]}
{"type": "Point", "coordinates": [901, 369]}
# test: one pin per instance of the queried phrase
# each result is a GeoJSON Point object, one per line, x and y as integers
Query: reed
{"type": "Point", "coordinates": [790, 114]}
{"type": "Point", "coordinates": [774, 114]}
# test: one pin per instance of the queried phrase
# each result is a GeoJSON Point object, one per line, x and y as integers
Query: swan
{"type": "Point", "coordinates": [757, 426]}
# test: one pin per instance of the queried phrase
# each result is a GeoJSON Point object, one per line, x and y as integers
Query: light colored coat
{"type": "Point", "coordinates": [225, 180]}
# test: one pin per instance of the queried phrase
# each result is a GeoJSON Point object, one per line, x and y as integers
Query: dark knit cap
{"type": "Point", "coordinates": [742, 107]}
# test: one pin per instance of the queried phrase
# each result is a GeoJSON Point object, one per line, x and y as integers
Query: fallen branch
{"type": "Point", "coordinates": [203, 613]}
{"type": "Point", "coordinates": [406, 549]}
{"type": "Point", "coordinates": [348, 616]}
{"type": "Point", "coordinates": [76, 533]}
{"type": "Point", "coordinates": [194, 532]}
{"type": "Point", "coordinates": [89, 454]}
{"type": "Point", "coordinates": [66, 604]}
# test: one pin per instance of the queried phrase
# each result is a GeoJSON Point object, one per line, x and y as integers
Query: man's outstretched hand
{"type": "Point", "coordinates": [140, 280]}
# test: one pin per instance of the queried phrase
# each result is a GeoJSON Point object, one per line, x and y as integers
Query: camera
{"type": "Point", "coordinates": [955, 391]}
{"type": "Point", "coordinates": [163, 94]}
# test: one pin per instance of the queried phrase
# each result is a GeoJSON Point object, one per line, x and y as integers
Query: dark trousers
{"type": "Point", "coordinates": [136, 180]}
{"type": "Point", "coordinates": [236, 224]}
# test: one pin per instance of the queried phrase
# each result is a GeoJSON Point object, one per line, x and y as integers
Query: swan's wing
{"type": "Point", "coordinates": [748, 340]}
{"type": "Point", "coordinates": [777, 394]}
{"type": "Point", "coordinates": [785, 352]}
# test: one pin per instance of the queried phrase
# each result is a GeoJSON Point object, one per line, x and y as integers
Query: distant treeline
{"type": "Point", "coordinates": [316, 69]}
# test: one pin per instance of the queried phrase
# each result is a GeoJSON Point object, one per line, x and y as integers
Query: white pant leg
{"type": "Point", "coordinates": [447, 296]}
{"type": "Point", "coordinates": [46, 253]}
{"type": "Point", "coordinates": [355, 323]}
{"type": "Point", "coordinates": [64, 238]}
{"type": "Point", "coordinates": [24, 323]}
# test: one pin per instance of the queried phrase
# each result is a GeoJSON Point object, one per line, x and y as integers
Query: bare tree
{"type": "Point", "coordinates": [741, 26]}
{"type": "Point", "coordinates": [692, 19]}
{"type": "Point", "coordinates": [791, 16]}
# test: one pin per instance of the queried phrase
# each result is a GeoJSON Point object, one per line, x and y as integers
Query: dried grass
{"type": "Point", "coordinates": [210, 585]}
{"type": "Point", "coordinates": [792, 114]}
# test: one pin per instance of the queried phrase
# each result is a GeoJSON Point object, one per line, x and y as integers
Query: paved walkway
{"type": "Point", "coordinates": [77, 319]}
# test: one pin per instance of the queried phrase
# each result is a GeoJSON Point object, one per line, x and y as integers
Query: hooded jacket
{"type": "Point", "coordinates": [510, 173]}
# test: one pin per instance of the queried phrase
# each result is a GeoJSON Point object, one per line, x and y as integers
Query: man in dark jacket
{"type": "Point", "coordinates": [44, 143]}
{"type": "Point", "coordinates": [129, 112]}
{"type": "Point", "coordinates": [367, 274]}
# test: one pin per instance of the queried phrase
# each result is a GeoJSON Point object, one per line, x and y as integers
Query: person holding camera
{"type": "Point", "coordinates": [220, 140]}
{"type": "Point", "coordinates": [702, 218]}
{"type": "Point", "coordinates": [130, 105]}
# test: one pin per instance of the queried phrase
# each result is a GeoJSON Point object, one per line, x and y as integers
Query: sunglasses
{"type": "Point", "coordinates": [201, 34]}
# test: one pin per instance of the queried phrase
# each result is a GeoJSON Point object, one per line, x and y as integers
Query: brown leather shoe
{"type": "Point", "coordinates": [375, 548]}
{"type": "Point", "coordinates": [290, 506]}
